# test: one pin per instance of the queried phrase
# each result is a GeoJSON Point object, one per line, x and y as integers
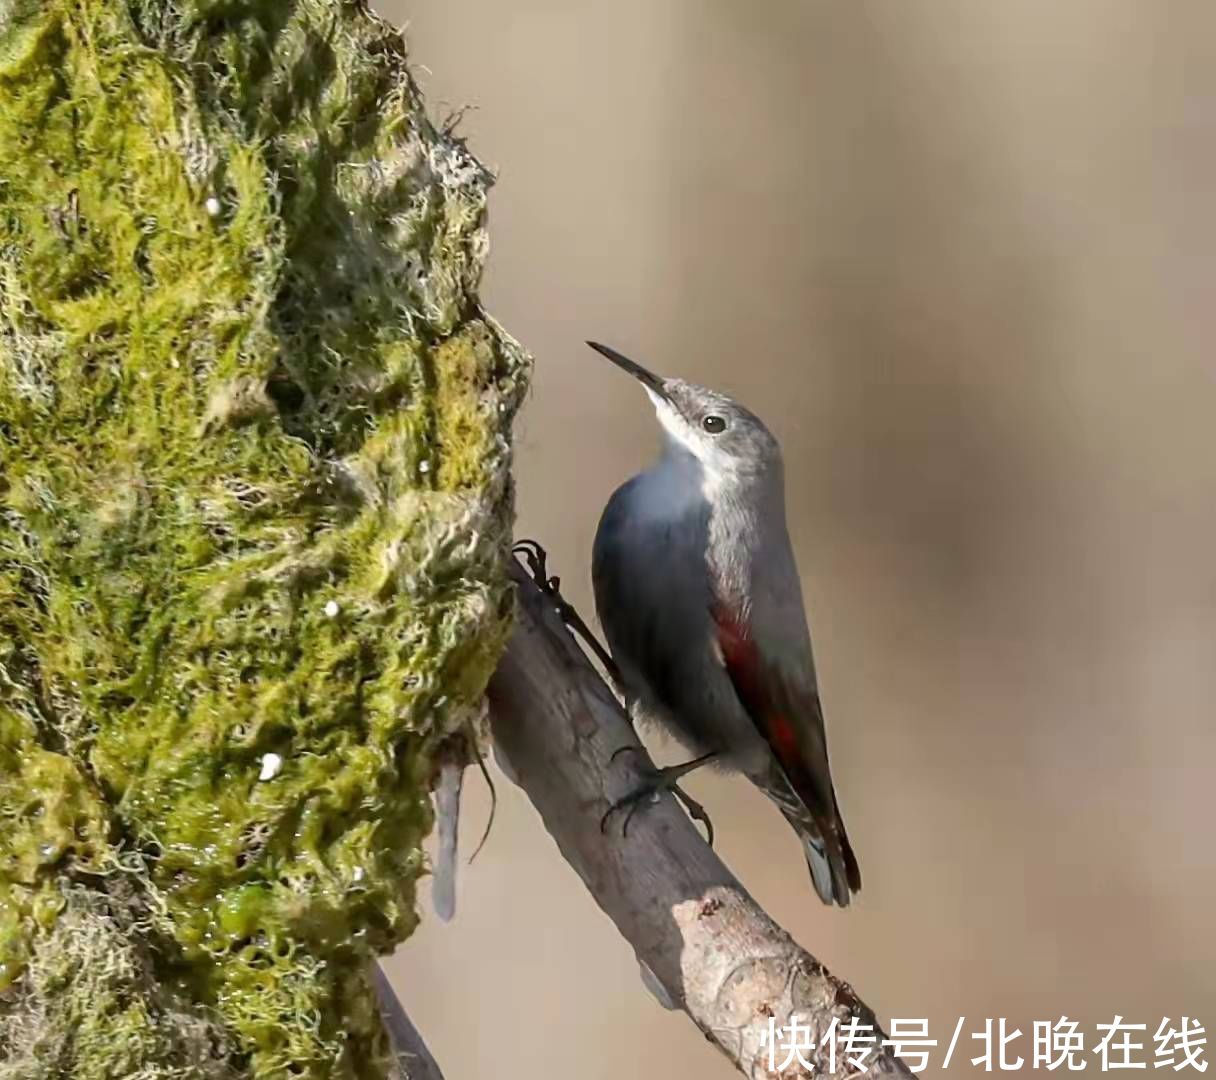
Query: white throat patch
{"type": "Point", "coordinates": [680, 440]}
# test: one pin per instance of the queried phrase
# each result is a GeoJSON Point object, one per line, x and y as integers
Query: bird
{"type": "Point", "coordinates": [699, 598]}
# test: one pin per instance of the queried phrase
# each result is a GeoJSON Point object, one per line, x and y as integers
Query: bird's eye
{"type": "Point", "coordinates": [713, 424]}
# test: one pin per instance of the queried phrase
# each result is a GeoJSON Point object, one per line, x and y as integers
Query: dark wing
{"type": "Point", "coordinates": [790, 718]}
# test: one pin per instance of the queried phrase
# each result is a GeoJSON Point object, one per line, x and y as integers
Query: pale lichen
{"type": "Point", "coordinates": [254, 506]}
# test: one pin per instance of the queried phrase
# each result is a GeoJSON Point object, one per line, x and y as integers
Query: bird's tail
{"type": "Point", "coordinates": [829, 855]}
{"type": "Point", "coordinates": [821, 870]}
{"type": "Point", "coordinates": [834, 870]}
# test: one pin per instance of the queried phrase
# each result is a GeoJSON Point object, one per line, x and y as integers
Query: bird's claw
{"type": "Point", "coordinates": [630, 805]}
{"type": "Point", "coordinates": [695, 811]}
{"type": "Point", "coordinates": [657, 781]}
{"type": "Point", "coordinates": [538, 566]}
{"type": "Point", "coordinates": [550, 584]}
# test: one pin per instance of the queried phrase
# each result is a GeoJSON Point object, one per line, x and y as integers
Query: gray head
{"type": "Point", "coordinates": [726, 438]}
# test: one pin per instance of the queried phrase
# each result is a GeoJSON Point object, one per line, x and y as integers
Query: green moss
{"type": "Point", "coordinates": [254, 507]}
{"type": "Point", "coordinates": [94, 976]}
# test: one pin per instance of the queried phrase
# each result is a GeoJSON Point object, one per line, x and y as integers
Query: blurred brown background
{"type": "Point", "coordinates": [962, 257]}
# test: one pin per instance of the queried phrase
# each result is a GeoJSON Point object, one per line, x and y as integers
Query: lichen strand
{"type": "Point", "coordinates": [254, 506]}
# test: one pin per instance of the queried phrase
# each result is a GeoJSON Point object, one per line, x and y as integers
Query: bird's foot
{"type": "Point", "coordinates": [655, 782]}
{"type": "Point", "coordinates": [537, 560]}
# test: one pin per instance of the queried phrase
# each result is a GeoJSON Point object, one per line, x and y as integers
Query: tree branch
{"type": "Point", "coordinates": [700, 938]}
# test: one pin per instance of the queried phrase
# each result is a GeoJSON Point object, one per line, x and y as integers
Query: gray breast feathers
{"type": "Point", "coordinates": [652, 591]}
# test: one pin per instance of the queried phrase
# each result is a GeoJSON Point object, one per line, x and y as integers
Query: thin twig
{"type": "Point", "coordinates": [414, 1060]}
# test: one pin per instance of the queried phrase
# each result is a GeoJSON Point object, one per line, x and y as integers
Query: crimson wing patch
{"type": "Point", "coordinates": [792, 725]}
{"type": "Point", "coordinates": [743, 663]}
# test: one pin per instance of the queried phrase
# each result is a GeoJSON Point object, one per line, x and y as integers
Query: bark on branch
{"type": "Point", "coordinates": [706, 943]}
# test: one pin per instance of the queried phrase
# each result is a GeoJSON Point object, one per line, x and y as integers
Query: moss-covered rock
{"type": "Point", "coordinates": [254, 508]}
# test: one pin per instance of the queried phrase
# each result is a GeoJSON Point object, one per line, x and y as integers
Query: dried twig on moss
{"type": "Point", "coordinates": [703, 942]}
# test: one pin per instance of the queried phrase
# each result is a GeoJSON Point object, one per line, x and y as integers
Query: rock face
{"type": "Point", "coordinates": [254, 508]}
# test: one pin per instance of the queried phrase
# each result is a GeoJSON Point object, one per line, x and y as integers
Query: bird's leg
{"type": "Point", "coordinates": [538, 565]}
{"type": "Point", "coordinates": [657, 781]}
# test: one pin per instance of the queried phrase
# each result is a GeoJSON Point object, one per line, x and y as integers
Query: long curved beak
{"type": "Point", "coordinates": [648, 379]}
